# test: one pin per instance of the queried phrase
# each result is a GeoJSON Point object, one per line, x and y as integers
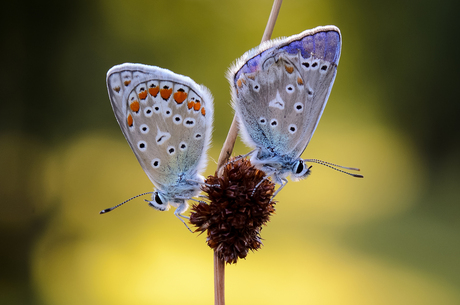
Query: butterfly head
{"type": "Point", "coordinates": [159, 202]}
{"type": "Point", "coordinates": [300, 170]}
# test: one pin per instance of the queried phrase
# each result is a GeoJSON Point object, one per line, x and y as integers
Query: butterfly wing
{"type": "Point", "coordinates": [166, 119]}
{"type": "Point", "coordinates": [280, 89]}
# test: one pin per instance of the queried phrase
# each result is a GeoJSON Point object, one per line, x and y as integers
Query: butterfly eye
{"type": "Point", "coordinates": [158, 199]}
{"type": "Point", "coordinates": [298, 167]}
{"type": "Point", "coordinates": [300, 170]}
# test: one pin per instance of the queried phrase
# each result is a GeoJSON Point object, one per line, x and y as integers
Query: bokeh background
{"type": "Point", "coordinates": [390, 238]}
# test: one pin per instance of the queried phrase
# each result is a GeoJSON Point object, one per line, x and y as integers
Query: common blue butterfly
{"type": "Point", "coordinates": [167, 120]}
{"type": "Point", "coordinates": [279, 91]}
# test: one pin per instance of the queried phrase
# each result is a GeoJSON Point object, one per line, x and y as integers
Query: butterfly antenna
{"type": "Point", "coordinates": [334, 166]}
{"type": "Point", "coordinates": [113, 208]}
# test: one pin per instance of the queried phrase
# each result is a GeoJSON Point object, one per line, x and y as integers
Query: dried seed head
{"type": "Point", "coordinates": [234, 217]}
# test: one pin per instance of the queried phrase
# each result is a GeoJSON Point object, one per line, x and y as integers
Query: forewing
{"type": "Point", "coordinates": [280, 89]}
{"type": "Point", "coordinates": [166, 119]}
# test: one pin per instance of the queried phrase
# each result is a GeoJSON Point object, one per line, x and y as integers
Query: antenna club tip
{"type": "Point", "coordinates": [104, 211]}
{"type": "Point", "coordinates": [358, 176]}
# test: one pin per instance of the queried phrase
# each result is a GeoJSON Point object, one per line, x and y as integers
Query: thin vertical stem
{"type": "Point", "coordinates": [272, 20]}
{"type": "Point", "coordinates": [225, 153]}
{"type": "Point", "coordinates": [219, 280]}
{"type": "Point", "coordinates": [229, 143]}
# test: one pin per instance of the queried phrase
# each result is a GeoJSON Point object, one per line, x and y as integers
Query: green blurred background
{"type": "Point", "coordinates": [390, 238]}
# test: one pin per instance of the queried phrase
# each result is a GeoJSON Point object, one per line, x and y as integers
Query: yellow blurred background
{"type": "Point", "coordinates": [390, 238]}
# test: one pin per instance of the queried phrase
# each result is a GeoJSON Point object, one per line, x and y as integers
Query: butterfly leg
{"type": "Point", "coordinates": [196, 181]}
{"type": "Point", "coordinates": [283, 184]}
{"type": "Point", "coordinates": [199, 201]}
{"type": "Point", "coordinates": [189, 198]}
{"type": "Point", "coordinates": [257, 185]}
{"type": "Point", "coordinates": [269, 171]}
{"type": "Point", "coordinates": [201, 182]}
{"type": "Point", "coordinates": [178, 212]}
{"type": "Point", "coordinates": [240, 157]}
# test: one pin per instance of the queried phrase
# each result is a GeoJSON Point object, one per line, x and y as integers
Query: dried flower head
{"type": "Point", "coordinates": [234, 217]}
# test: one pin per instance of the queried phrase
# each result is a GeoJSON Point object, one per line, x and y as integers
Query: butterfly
{"type": "Point", "coordinates": [279, 92]}
{"type": "Point", "coordinates": [167, 120]}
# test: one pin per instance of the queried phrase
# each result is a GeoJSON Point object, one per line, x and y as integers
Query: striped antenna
{"type": "Point", "coordinates": [113, 208]}
{"type": "Point", "coordinates": [334, 166]}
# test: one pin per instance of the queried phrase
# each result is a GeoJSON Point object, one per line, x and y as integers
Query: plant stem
{"type": "Point", "coordinates": [225, 153]}
{"type": "Point", "coordinates": [229, 143]}
{"type": "Point", "coordinates": [272, 20]}
{"type": "Point", "coordinates": [219, 280]}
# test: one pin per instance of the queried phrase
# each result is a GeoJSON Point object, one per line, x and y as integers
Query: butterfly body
{"type": "Point", "coordinates": [276, 165]}
{"type": "Point", "coordinates": [280, 90]}
{"type": "Point", "coordinates": [167, 120]}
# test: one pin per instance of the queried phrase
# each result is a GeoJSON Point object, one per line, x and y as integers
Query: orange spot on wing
{"type": "Point", "coordinates": [203, 112]}
{"type": "Point", "coordinates": [299, 81]}
{"type": "Point", "coordinates": [289, 69]}
{"type": "Point", "coordinates": [251, 77]}
{"type": "Point", "coordinates": [180, 96]}
{"type": "Point", "coordinates": [129, 119]}
{"type": "Point", "coordinates": [165, 93]}
{"type": "Point", "coordinates": [134, 106]}
{"type": "Point", "coordinates": [117, 89]}
{"type": "Point", "coordinates": [191, 104]}
{"type": "Point", "coordinates": [127, 82]}
{"type": "Point", "coordinates": [154, 91]}
{"type": "Point", "coordinates": [197, 106]}
{"type": "Point", "coordinates": [143, 95]}
{"type": "Point", "coordinates": [239, 83]}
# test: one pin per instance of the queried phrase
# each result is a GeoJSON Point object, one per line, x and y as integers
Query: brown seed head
{"type": "Point", "coordinates": [234, 217]}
